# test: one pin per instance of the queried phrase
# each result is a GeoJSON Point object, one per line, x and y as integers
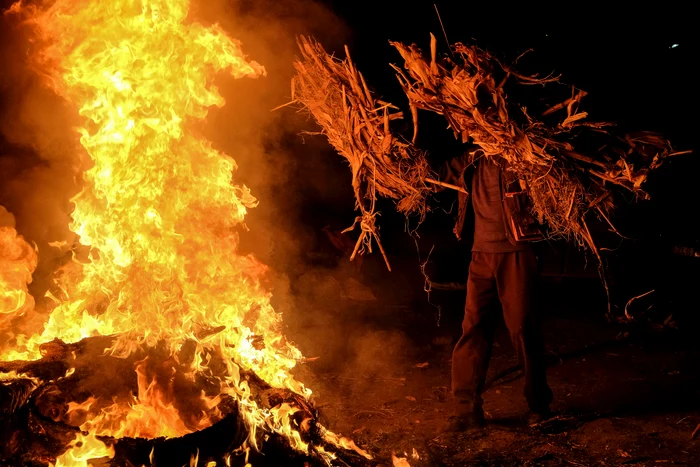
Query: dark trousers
{"type": "Point", "coordinates": [510, 278]}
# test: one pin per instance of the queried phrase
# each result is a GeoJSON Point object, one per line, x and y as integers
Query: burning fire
{"type": "Point", "coordinates": [159, 212]}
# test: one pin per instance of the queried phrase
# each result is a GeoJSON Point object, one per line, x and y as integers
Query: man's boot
{"type": "Point", "coordinates": [533, 417]}
{"type": "Point", "coordinates": [466, 418]}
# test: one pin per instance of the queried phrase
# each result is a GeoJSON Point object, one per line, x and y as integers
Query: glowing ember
{"type": "Point", "coordinates": [159, 212]}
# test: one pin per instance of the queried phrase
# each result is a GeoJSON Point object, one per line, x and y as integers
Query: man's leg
{"type": "Point", "coordinates": [471, 355]}
{"type": "Point", "coordinates": [516, 277]}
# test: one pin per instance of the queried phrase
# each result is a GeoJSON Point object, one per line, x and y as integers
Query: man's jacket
{"type": "Point", "coordinates": [520, 225]}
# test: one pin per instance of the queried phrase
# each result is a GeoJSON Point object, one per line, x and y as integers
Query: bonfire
{"type": "Point", "coordinates": [162, 347]}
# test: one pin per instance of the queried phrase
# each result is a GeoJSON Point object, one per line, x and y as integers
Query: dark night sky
{"type": "Point", "coordinates": [624, 57]}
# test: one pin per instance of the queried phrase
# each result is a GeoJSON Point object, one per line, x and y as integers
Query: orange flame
{"type": "Point", "coordinates": [84, 448]}
{"type": "Point", "coordinates": [17, 263]}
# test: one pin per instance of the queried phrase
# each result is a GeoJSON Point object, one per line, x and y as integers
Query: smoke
{"type": "Point", "coordinates": [285, 171]}
{"type": "Point", "coordinates": [329, 304]}
{"type": "Point", "coordinates": [40, 164]}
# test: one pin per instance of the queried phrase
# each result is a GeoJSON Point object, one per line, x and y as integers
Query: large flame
{"type": "Point", "coordinates": [159, 211]}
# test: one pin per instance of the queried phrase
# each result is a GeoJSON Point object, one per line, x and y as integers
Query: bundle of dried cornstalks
{"type": "Point", "coordinates": [564, 182]}
{"type": "Point", "coordinates": [567, 165]}
{"type": "Point", "coordinates": [357, 125]}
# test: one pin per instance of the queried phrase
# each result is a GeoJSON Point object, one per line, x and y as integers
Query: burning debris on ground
{"type": "Point", "coordinates": [44, 403]}
{"type": "Point", "coordinates": [138, 326]}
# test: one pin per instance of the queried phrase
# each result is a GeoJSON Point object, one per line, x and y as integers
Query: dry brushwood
{"type": "Point", "coordinates": [565, 180]}
{"type": "Point", "coordinates": [357, 125]}
{"type": "Point", "coordinates": [565, 183]}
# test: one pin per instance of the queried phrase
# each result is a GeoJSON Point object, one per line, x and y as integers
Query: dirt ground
{"type": "Point", "coordinates": [625, 393]}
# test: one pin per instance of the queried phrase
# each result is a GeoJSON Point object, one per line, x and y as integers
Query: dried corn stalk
{"type": "Point", "coordinates": [358, 126]}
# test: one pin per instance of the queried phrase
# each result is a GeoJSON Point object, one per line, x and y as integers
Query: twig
{"type": "Point", "coordinates": [443, 29]}
{"type": "Point", "coordinates": [629, 302]}
{"type": "Point", "coordinates": [695, 432]}
{"type": "Point", "coordinates": [561, 105]}
{"type": "Point", "coordinates": [376, 412]}
{"type": "Point", "coordinates": [573, 198]}
{"type": "Point", "coordinates": [553, 419]}
{"type": "Point", "coordinates": [679, 153]}
{"type": "Point", "coordinates": [571, 462]}
{"type": "Point", "coordinates": [447, 185]}
{"type": "Point", "coordinates": [282, 106]}
{"type": "Point", "coordinates": [602, 213]}
{"type": "Point", "coordinates": [583, 158]}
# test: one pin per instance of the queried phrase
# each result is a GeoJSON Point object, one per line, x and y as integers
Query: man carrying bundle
{"type": "Point", "coordinates": [503, 267]}
{"type": "Point", "coordinates": [567, 183]}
